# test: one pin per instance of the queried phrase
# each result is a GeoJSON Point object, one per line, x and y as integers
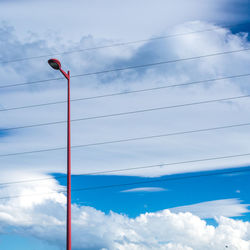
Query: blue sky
{"type": "Point", "coordinates": [173, 193]}
{"type": "Point", "coordinates": [130, 216]}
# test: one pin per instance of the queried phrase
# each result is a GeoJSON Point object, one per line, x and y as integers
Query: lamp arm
{"type": "Point", "coordinates": [64, 73]}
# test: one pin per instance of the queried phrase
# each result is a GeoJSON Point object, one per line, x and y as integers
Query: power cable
{"type": "Point", "coordinates": [128, 139]}
{"type": "Point", "coordinates": [126, 92]}
{"type": "Point", "coordinates": [161, 180]}
{"type": "Point", "coordinates": [30, 83]}
{"type": "Point", "coordinates": [128, 68]}
{"type": "Point", "coordinates": [127, 113]}
{"type": "Point", "coordinates": [118, 44]}
{"type": "Point", "coordinates": [134, 183]}
{"type": "Point", "coordinates": [162, 165]}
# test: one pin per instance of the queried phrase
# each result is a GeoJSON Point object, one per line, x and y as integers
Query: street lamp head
{"type": "Point", "coordinates": [54, 63]}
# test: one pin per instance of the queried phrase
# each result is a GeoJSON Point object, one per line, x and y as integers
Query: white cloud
{"type": "Point", "coordinates": [110, 19]}
{"type": "Point", "coordinates": [133, 154]}
{"type": "Point", "coordinates": [216, 208]}
{"type": "Point", "coordinates": [144, 189]}
{"type": "Point", "coordinates": [44, 218]}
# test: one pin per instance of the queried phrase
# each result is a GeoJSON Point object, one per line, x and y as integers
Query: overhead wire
{"type": "Point", "coordinates": [161, 180]}
{"type": "Point", "coordinates": [118, 44]}
{"type": "Point", "coordinates": [127, 92]}
{"type": "Point", "coordinates": [105, 172]}
{"type": "Point", "coordinates": [128, 139]}
{"type": "Point", "coordinates": [129, 67]}
{"type": "Point", "coordinates": [165, 179]}
{"type": "Point", "coordinates": [127, 113]}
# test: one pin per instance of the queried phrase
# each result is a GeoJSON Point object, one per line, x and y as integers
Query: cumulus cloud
{"type": "Point", "coordinates": [43, 216]}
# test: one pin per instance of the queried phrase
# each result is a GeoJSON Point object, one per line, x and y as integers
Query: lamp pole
{"type": "Point", "coordinates": [55, 64]}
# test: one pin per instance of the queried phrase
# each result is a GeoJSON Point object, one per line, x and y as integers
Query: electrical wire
{"type": "Point", "coordinates": [127, 113]}
{"type": "Point", "coordinates": [127, 92]}
{"type": "Point", "coordinates": [134, 183]}
{"type": "Point", "coordinates": [118, 44]}
{"type": "Point", "coordinates": [128, 139]}
{"type": "Point", "coordinates": [138, 111]}
{"type": "Point", "coordinates": [162, 165]}
{"type": "Point", "coordinates": [161, 180]}
{"type": "Point", "coordinates": [128, 68]}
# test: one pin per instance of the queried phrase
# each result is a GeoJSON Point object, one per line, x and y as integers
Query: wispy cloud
{"type": "Point", "coordinates": [215, 209]}
{"type": "Point", "coordinates": [85, 16]}
{"type": "Point", "coordinates": [144, 189]}
{"type": "Point", "coordinates": [138, 153]}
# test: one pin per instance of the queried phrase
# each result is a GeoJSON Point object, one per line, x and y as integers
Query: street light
{"type": "Point", "coordinates": [55, 64]}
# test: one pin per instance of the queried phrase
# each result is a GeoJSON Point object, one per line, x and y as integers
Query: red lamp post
{"type": "Point", "coordinates": [55, 64]}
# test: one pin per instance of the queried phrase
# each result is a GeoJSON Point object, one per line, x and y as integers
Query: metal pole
{"type": "Point", "coordinates": [55, 64]}
{"type": "Point", "coordinates": [68, 172]}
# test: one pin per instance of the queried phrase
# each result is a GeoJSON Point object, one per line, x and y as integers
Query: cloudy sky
{"type": "Point", "coordinates": [160, 124]}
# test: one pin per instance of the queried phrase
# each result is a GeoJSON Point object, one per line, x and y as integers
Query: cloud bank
{"type": "Point", "coordinates": [138, 153]}
{"type": "Point", "coordinates": [110, 19]}
{"type": "Point", "coordinates": [43, 216]}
